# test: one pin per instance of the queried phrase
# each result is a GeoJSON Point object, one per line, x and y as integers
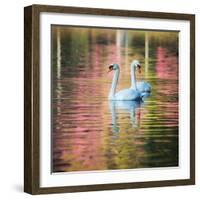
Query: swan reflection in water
{"type": "Point", "coordinates": [129, 109]}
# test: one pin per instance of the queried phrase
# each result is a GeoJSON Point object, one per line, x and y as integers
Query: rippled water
{"type": "Point", "coordinates": [91, 133]}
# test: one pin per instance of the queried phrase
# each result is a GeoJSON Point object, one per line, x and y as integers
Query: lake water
{"type": "Point", "coordinates": [91, 133]}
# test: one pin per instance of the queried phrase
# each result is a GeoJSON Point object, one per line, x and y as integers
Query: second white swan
{"type": "Point", "coordinates": [142, 86]}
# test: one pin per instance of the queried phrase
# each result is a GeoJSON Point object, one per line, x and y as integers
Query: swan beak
{"type": "Point", "coordinates": [110, 68]}
{"type": "Point", "coordinates": [139, 68]}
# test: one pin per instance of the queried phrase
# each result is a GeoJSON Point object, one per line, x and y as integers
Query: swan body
{"type": "Point", "coordinates": [142, 86]}
{"type": "Point", "coordinates": [126, 94]}
{"type": "Point", "coordinates": [126, 105]}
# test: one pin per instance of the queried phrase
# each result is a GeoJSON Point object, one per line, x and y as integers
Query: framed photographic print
{"type": "Point", "coordinates": [109, 99]}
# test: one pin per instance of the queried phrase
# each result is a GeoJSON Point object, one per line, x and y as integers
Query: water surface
{"type": "Point", "coordinates": [91, 133]}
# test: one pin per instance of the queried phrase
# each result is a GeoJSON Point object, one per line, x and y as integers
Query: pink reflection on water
{"type": "Point", "coordinates": [167, 70]}
{"type": "Point", "coordinates": [166, 66]}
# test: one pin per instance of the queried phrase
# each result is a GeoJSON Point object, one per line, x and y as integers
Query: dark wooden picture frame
{"type": "Point", "coordinates": [32, 98]}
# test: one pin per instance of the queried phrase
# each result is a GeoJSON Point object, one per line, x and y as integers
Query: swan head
{"type": "Point", "coordinates": [113, 67]}
{"type": "Point", "coordinates": [136, 64]}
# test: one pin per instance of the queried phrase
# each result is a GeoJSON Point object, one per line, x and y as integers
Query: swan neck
{"type": "Point", "coordinates": [133, 78]}
{"type": "Point", "coordinates": [114, 84]}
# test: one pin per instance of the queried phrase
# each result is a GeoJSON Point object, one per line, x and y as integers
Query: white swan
{"type": "Point", "coordinates": [142, 86]}
{"type": "Point", "coordinates": [126, 94]}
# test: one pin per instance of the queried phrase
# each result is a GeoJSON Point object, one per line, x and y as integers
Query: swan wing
{"type": "Point", "coordinates": [143, 86]}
